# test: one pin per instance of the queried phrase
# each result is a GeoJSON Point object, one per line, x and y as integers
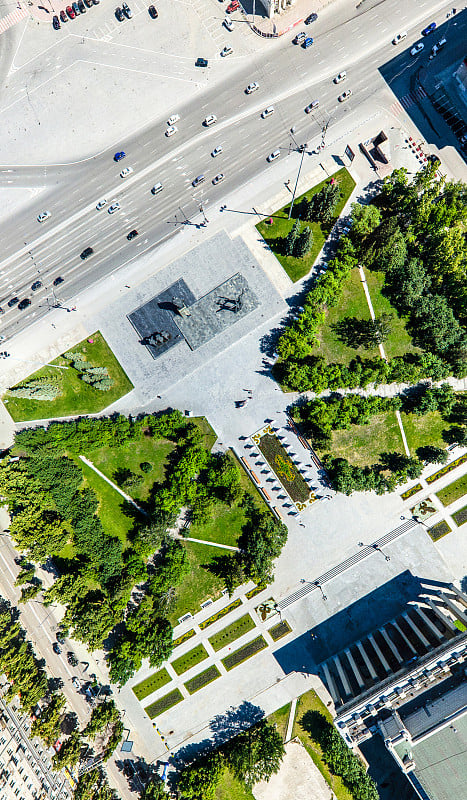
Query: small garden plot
{"type": "Point", "coordinates": [446, 469]}
{"type": "Point", "coordinates": [151, 684]}
{"type": "Point", "coordinates": [199, 681]}
{"type": "Point", "coordinates": [279, 630]}
{"type": "Point", "coordinates": [183, 638]}
{"type": "Point", "coordinates": [256, 590]}
{"type": "Point", "coordinates": [220, 614]}
{"type": "Point", "coordinates": [166, 702]}
{"type": "Point", "coordinates": [243, 653]}
{"type": "Point", "coordinates": [284, 468]}
{"type": "Point", "coordinates": [453, 491]}
{"type": "Point", "coordinates": [413, 490]}
{"type": "Point", "coordinates": [231, 632]}
{"type": "Point", "coordinates": [189, 660]}
{"type": "Point", "coordinates": [439, 530]}
{"type": "Point", "coordinates": [460, 516]}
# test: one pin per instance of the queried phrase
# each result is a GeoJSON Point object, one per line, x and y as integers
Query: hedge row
{"type": "Point", "coordinates": [220, 614]}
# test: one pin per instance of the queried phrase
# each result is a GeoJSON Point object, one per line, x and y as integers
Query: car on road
{"type": "Point", "coordinates": [126, 171]}
{"type": "Point", "coordinates": [2, 310]}
{"type": "Point", "coordinates": [198, 180]}
{"type": "Point", "coordinates": [217, 151]}
{"type": "Point", "coordinates": [252, 87]}
{"type": "Point", "coordinates": [272, 156]}
{"type": "Point", "coordinates": [299, 38]}
{"type": "Point", "coordinates": [127, 10]}
{"type": "Point", "coordinates": [312, 106]}
{"type": "Point", "coordinates": [152, 10]}
{"type": "Point", "coordinates": [234, 6]}
{"type": "Point", "coordinates": [157, 188]}
{"type": "Point", "coordinates": [36, 285]}
{"type": "Point", "coordinates": [56, 22]}
{"type": "Point", "coordinates": [210, 120]}
{"type": "Point", "coordinates": [114, 207]}
{"type": "Point", "coordinates": [59, 280]}
{"type": "Point", "coordinates": [132, 235]}
{"type": "Point", "coordinates": [171, 130]}
{"type": "Point", "coordinates": [119, 14]}
{"type": "Point", "coordinates": [60, 637]}
{"type": "Point", "coordinates": [13, 302]}
{"type": "Point", "coordinates": [340, 77]}
{"type": "Point", "coordinates": [201, 62]}
{"type": "Point", "coordinates": [24, 304]}
{"type": "Point", "coordinates": [119, 156]}
{"type": "Point", "coordinates": [437, 47]}
{"type": "Point", "coordinates": [417, 49]}
{"type": "Point", "coordinates": [400, 37]}
{"type": "Point", "coordinates": [43, 216]}
{"type": "Point", "coordinates": [71, 658]}
{"type": "Point", "coordinates": [76, 683]}
{"type": "Point", "coordinates": [267, 112]}
{"type": "Point", "coordinates": [101, 204]}
{"type": "Point", "coordinates": [88, 251]}
{"type": "Point", "coordinates": [63, 16]}
{"type": "Point", "coordinates": [220, 177]}
{"type": "Point", "coordinates": [173, 119]}
{"type": "Point", "coordinates": [70, 12]}
{"type": "Point", "coordinates": [345, 96]}
{"type": "Point", "coordinates": [56, 648]}
{"type": "Point", "coordinates": [227, 51]}
{"type": "Point", "coordinates": [227, 23]}
{"type": "Point", "coordinates": [307, 43]}
{"type": "Point", "coordinates": [429, 29]}
{"type": "Point", "coordinates": [311, 18]}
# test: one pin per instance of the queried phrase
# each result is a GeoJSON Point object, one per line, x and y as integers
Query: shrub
{"type": "Point", "coordinates": [145, 467]}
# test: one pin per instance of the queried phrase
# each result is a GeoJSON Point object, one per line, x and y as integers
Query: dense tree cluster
{"type": "Point", "coordinates": [319, 417]}
{"type": "Point", "coordinates": [413, 232]}
{"type": "Point", "coordinates": [26, 676]}
{"type": "Point", "coordinates": [392, 470]}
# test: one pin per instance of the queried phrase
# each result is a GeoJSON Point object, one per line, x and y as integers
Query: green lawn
{"type": "Point", "coordinates": [77, 397]}
{"type": "Point", "coordinates": [113, 519]}
{"type": "Point", "coordinates": [363, 444]}
{"type": "Point", "coordinates": [200, 583]}
{"type": "Point", "coordinates": [151, 684]}
{"type": "Point", "coordinates": [352, 303]}
{"type": "Point", "coordinates": [130, 455]}
{"type": "Point", "coordinates": [189, 660]}
{"type": "Point", "coordinates": [273, 234]}
{"type": "Point", "coordinates": [223, 528]}
{"type": "Point", "coordinates": [399, 341]}
{"type": "Point", "coordinates": [460, 516]}
{"type": "Point", "coordinates": [424, 430]}
{"type": "Point", "coordinates": [202, 679]}
{"type": "Point", "coordinates": [280, 719]}
{"type": "Point", "coordinates": [230, 788]}
{"type": "Point", "coordinates": [453, 491]}
{"type": "Point", "coordinates": [311, 702]}
{"type": "Point", "coordinates": [231, 632]}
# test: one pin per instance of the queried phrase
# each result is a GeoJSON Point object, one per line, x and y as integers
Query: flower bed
{"type": "Point", "coordinates": [285, 470]}
{"type": "Point", "coordinates": [439, 530]}
{"type": "Point", "coordinates": [453, 491]}
{"type": "Point", "coordinates": [413, 490]}
{"type": "Point", "coordinates": [189, 660]}
{"type": "Point", "coordinates": [195, 684]}
{"type": "Point", "coordinates": [460, 516]}
{"type": "Point", "coordinates": [279, 630]}
{"type": "Point", "coordinates": [243, 653]}
{"type": "Point", "coordinates": [447, 468]}
{"type": "Point", "coordinates": [231, 632]}
{"type": "Point", "coordinates": [151, 684]}
{"type": "Point", "coordinates": [183, 638]}
{"type": "Point", "coordinates": [220, 614]}
{"type": "Point", "coordinates": [256, 590]}
{"type": "Point", "coordinates": [166, 702]}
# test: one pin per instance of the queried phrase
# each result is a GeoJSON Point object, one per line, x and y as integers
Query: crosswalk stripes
{"type": "Point", "coordinates": [12, 19]}
{"type": "Point", "coordinates": [408, 100]}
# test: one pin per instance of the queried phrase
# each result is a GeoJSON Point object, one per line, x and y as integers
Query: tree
{"type": "Point", "coordinates": [306, 208]}
{"type": "Point", "coordinates": [30, 591]}
{"type": "Point", "coordinates": [155, 790]}
{"type": "Point", "coordinates": [379, 329]}
{"type": "Point", "coordinates": [69, 753]}
{"type": "Point", "coordinates": [289, 241]}
{"type": "Point", "coordinates": [365, 219]}
{"type": "Point", "coordinates": [303, 243]}
{"type": "Point", "coordinates": [256, 754]}
{"type": "Point", "coordinates": [199, 780]}
{"type": "Point", "coordinates": [406, 283]}
{"type": "Point", "coordinates": [436, 326]}
{"type": "Point", "coordinates": [261, 541]}
{"type": "Point", "coordinates": [102, 715]}
{"type": "Point", "coordinates": [324, 202]}
{"type": "Point", "coordinates": [48, 724]}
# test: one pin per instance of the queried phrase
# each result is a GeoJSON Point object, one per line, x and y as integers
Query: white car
{"type": "Point", "coordinates": [345, 96]}
{"type": "Point", "coordinates": [267, 112]}
{"type": "Point", "coordinates": [101, 204]}
{"type": "Point", "coordinates": [312, 107]}
{"type": "Point", "coordinates": [252, 87]}
{"type": "Point", "coordinates": [218, 179]}
{"type": "Point", "coordinates": [125, 172]}
{"type": "Point", "coordinates": [210, 120]}
{"type": "Point", "coordinates": [171, 130]}
{"type": "Point", "coordinates": [173, 119]}
{"type": "Point", "coordinates": [417, 49]}
{"type": "Point", "coordinates": [43, 216]}
{"type": "Point", "coordinates": [114, 207]}
{"type": "Point", "coordinates": [228, 24]}
{"type": "Point", "coordinates": [400, 37]}
{"type": "Point", "coordinates": [217, 151]}
{"type": "Point", "coordinates": [227, 51]}
{"type": "Point", "coordinates": [273, 156]}
{"type": "Point", "coordinates": [341, 77]}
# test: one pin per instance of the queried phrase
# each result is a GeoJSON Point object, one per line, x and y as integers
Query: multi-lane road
{"type": "Point", "coordinates": [288, 77]}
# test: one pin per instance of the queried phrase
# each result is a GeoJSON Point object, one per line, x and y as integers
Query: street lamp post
{"type": "Point", "coordinates": [302, 148]}
{"type": "Point", "coordinates": [318, 586]}
{"type": "Point", "coordinates": [375, 547]}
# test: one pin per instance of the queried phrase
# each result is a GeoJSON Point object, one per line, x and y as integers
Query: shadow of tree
{"type": "Point", "coordinates": [234, 721]}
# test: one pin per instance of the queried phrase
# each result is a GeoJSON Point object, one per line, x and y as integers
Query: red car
{"type": "Point", "coordinates": [234, 5]}
{"type": "Point", "coordinates": [63, 16]}
{"type": "Point", "coordinates": [70, 12]}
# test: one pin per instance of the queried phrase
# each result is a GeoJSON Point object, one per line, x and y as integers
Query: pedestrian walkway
{"type": "Point", "coordinates": [12, 19]}
{"type": "Point", "coordinates": [293, 708]}
{"type": "Point", "coordinates": [113, 485]}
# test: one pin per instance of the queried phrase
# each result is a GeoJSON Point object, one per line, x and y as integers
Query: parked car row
{"type": "Point", "coordinates": [72, 11]}
{"type": "Point", "coordinates": [124, 11]}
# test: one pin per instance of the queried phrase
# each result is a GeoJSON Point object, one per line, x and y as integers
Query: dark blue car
{"type": "Point", "coordinates": [307, 43]}
{"type": "Point", "coordinates": [119, 156]}
{"type": "Point", "coordinates": [429, 29]}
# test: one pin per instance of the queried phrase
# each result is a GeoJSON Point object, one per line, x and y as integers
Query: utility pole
{"type": "Point", "coordinates": [302, 148]}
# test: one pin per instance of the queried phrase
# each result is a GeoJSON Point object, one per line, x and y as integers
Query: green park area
{"type": "Point", "coordinates": [232, 632]}
{"type": "Point", "coordinates": [231, 788]}
{"type": "Point", "coordinates": [190, 659]}
{"type": "Point", "coordinates": [64, 383]}
{"type": "Point", "coordinates": [363, 444]}
{"type": "Point", "coordinates": [453, 491]}
{"type": "Point", "coordinates": [151, 684]}
{"type": "Point", "coordinates": [275, 233]}
{"type": "Point", "coordinates": [280, 719]}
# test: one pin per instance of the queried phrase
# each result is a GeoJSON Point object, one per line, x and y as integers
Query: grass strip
{"type": "Point", "coordinates": [453, 491]}
{"type": "Point", "coordinates": [439, 530]}
{"type": "Point", "coordinates": [151, 684]}
{"type": "Point", "coordinates": [195, 684]}
{"type": "Point", "coordinates": [164, 703]}
{"type": "Point", "coordinates": [279, 630]}
{"type": "Point", "coordinates": [183, 638]}
{"type": "Point", "coordinates": [284, 468]}
{"type": "Point", "coordinates": [189, 660]}
{"type": "Point", "coordinates": [231, 632]}
{"type": "Point", "coordinates": [220, 614]}
{"type": "Point", "coordinates": [243, 653]}
{"type": "Point", "coordinates": [460, 516]}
